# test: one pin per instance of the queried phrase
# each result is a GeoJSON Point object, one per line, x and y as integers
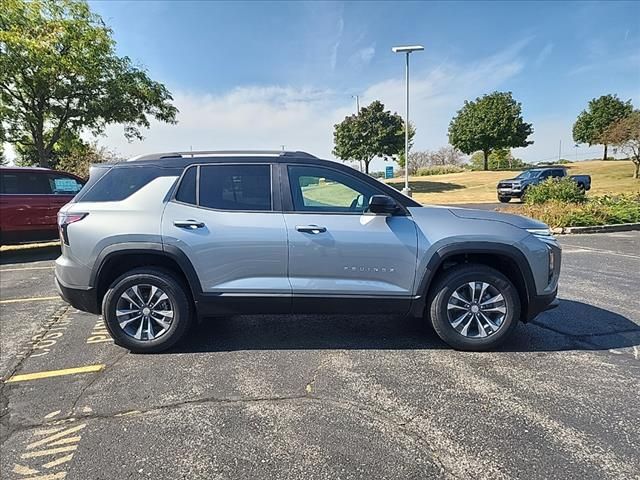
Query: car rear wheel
{"type": "Point", "coordinates": [474, 307]}
{"type": "Point", "coordinates": [147, 310]}
{"type": "Point", "coordinates": [504, 199]}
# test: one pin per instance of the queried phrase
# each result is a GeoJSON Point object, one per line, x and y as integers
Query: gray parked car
{"type": "Point", "coordinates": [160, 241]}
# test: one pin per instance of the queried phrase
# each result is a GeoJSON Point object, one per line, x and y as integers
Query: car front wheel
{"type": "Point", "coordinates": [146, 310]}
{"type": "Point", "coordinates": [474, 307]}
{"type": "Point", "coordinates": [504, 199]}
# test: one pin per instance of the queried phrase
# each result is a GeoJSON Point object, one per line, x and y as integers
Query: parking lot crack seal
{"type": "Point", "coordinates": [95, 378]}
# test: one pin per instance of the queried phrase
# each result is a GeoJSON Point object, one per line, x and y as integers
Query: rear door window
{"type": "Point", "coordinates": [236, 187]}
{"type": "Point", "coordinates": [25, 183]}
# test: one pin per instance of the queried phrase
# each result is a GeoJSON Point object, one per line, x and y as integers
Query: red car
{"type": "Point", "coordinates": [29, 202]}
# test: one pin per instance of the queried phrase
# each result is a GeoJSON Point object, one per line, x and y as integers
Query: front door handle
{"type": "Point", "coordinates": [189, 224]}
{"type": "Point", "coordinates": [315, 229]}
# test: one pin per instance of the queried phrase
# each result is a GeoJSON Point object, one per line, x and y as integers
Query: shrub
{"type": "Point", "coordinates": [607, 210]}
{"type": "Point", "coordinates": [562, 189]}
{"type": "Point", "coordinates": [439, 170]}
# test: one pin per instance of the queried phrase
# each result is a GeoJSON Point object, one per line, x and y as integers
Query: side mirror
{"type": "Point", "coordinates": [382, 204]}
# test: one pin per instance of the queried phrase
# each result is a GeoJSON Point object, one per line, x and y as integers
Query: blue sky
{"type": "Point", "coordinates": [262, 74]}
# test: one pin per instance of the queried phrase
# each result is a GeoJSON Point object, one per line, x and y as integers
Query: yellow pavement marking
{"type": "Point", "coordinates": [57, 437]}
{"type": "Point", "coordinates": [28, 246]}
{"type": "Point", "coordinates": [55, 373]}
{"type": "Point", "coordinates": [22, 470]}
{"type": "Point", "coordinates": [51, 451]}
{"type": "Point", "coordinates": [31, 299]}
{"type": "Point", "coordinates": [59, 461]}
{"type": "Point", "coordinates": [25, 268]}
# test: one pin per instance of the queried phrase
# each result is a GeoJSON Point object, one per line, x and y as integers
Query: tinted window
{"type": "Point", "coordinates": [187, 189]}
{"type": "Point", "coordinates": [25, 183]}
{"type": "Point", "coordinates": [63, 185]}
{"type": "Point", "coordinates": [235, 187]}
{"type": "Point", "coordinates": [119, 183]}
{"type": "Point", "coordinates": [317, 189]}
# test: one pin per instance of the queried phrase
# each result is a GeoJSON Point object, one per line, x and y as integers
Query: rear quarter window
{"type": "Point", "coordinates": [121, 182]}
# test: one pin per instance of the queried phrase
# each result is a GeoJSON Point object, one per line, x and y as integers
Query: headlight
{"type": "Point", "coordinates": [539, 232]}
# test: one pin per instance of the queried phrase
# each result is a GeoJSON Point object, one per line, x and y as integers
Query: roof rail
{"type": "Point", "coordinates": [221, 153]}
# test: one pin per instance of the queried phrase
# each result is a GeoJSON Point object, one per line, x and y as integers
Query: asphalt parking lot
{"type": "Point", "coordinates": [327, 396]}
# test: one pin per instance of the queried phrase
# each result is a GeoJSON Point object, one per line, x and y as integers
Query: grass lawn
{"type": "Point", "coordinates": [480, 187]}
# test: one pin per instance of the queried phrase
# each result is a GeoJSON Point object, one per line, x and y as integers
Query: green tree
{"type": "Point", "coordinates": [501, 159]}
{"type": "Point", "coordinates": [375, 132]}
{"type": "Point", "coordinates": [3, 159]}
{"type": "Point", "coordinates": [625, 134]}
{"type": "Point", "coordinates": [491, 122]}
{"type": "Point", "coordinates": [70, 154]}
{"type": "Point", "coordinates": [592, 124]}
{"type": "Point", "coordinates": [59, 74]}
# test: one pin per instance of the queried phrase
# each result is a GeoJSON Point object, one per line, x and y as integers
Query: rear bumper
{"type": "Point", "coordinates": [541, 303]}
{"type": "Point", "coordinates": [82, 299]}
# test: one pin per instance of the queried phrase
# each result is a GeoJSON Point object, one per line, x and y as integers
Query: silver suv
{"type": "Point", "coordinates": [162, 240]}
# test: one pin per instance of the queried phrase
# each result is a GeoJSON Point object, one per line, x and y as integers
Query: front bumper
{"type": "Point", "coordinates": [82, 299]}
{"type": "Point", "coordinates": [541, 303]}
{"type": "Point", "coordinates": [508, 193]}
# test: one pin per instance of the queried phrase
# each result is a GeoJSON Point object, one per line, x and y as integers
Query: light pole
{"type": "Point", "coordinates": [357, 97]}
{"type": "Point", "coordinates": [407, 49]}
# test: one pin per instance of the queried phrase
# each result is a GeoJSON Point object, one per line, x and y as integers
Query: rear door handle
{"type": "Point", "coordinates": [315, 229]}
{"type": "Point", "coordinates": [189, 224]}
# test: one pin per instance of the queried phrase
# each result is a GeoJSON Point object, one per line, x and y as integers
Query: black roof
{"type": "Point", "coordinates": [183, 159]}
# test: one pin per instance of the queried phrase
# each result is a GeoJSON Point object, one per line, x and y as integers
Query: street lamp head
{"type": "Point", "coordinates": [407, 48]}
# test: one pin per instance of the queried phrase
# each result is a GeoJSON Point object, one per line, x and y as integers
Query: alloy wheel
{"type": "Point", "coordinates": [476, 310]}
{"type": "Point", "coordinates": [144, 312]}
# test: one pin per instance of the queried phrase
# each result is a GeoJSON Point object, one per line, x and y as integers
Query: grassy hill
{"type": "Point", "coordinates": [480, 187]}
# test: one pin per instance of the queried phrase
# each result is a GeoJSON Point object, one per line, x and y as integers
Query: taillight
{"type": "Point", "coordinates": [66, 219]}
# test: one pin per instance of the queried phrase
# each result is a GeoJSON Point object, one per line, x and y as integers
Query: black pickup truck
{"type": "Point", "coordinates": [516, 187]}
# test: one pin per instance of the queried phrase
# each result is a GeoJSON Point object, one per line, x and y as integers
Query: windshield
{"type": "Point", "coordinates": [528, 174]}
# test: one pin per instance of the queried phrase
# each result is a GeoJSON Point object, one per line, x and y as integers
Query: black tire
{"type": "Point", "coordinates": [455, 278]}
{"type": "Point", "coordinates": [504, 199]}
{"type": "Point", "coordinates": [177, 295]}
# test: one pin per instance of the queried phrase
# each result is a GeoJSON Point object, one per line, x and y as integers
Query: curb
{"type": "Point", "coordinates": [28, 246]}
{"type": "Point", "coordinates": [621, 227]}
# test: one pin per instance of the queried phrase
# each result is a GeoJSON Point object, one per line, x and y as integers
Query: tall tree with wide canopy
{"type": "Point", "coordinates": [491, 122]}
{"type": "Point", "coordinates": [593, 123]}
{"type": "Point", "coordinates": [59, 75]}
{"type": "Point", "coordinates": [374, 132]}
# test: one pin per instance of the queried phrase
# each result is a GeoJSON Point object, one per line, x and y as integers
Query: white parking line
{"type": "Point", "coordinates": [581, 249]}
{"type": "Point", "coordinates": [26, 268]}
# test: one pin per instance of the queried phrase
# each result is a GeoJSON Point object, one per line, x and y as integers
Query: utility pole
{"type": "Point", "coordinates": [560, 151]}
{"type": "Point", "coordinates": [357, 97]}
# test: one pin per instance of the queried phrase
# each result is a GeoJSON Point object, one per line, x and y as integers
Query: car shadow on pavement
{"type": "Point", "coordinates": [577, 326]}
{"type": "Point", "coordinates": [29, 255]}
{"type": "Point", "coordinates": [571, 326]}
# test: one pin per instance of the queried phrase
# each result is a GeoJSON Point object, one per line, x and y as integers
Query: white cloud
{"type": "Point", "coordinates": [364, 55]}
{"type": "Point", "coordinates": [544, 53]}
{"type": "Point", "coordinates": [336, 45]}
{"type": "Point", "coordinates": [303, 118]}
